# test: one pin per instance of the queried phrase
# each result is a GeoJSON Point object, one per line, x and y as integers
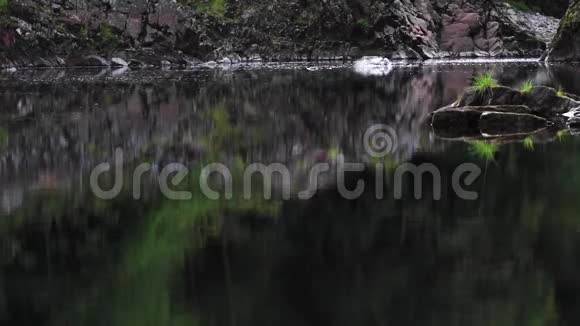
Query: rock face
{"type": "Point", "coordinates": [484, 29]}
{"type": "Point", "coordinates": [542, 27]}
{"type": "Point", "coordinates": [151, 31]}
{"type": "Point", "coordinates": [504, 111]}
{"type": "Point", "coordinates": [566, 44]}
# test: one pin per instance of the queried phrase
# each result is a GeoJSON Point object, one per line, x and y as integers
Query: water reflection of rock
{"type": "Point", "coordinates": [64, 130]}
{"type": "Point", "coordinates": [397, 255]}
{"type": "Point", "coordinates": [63, 123]}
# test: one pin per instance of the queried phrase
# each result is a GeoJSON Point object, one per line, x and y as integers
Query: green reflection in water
{"type": "Point", "coordinates": [483, 150]}
{"type": "Point", "coordinates": [529, 143]}
{"type": "Point", "coordinates": [141, 289]}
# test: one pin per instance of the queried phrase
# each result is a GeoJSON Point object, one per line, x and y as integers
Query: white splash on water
{"type": "Point", "coordinates": [373, 66]}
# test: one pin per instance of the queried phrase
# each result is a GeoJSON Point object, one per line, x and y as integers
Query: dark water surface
{"type": "Point", "coordinates": [511, 257]}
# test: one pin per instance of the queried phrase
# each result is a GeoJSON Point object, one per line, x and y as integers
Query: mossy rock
{"type": "Point", "coordinates": [566, 44]}
{"type": "Point", "coordinates": [542, 101]}
{"type": "Point", "coordinates": [501, 111]}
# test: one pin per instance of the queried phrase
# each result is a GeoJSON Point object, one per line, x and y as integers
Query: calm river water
{"type": "Point", "coordinates": [68, 257]}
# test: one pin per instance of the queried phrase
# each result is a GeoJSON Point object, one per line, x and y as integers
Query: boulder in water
{"type": "Point", "coordinates": [542, 101]}
{"type": "Point", "coordinates": [473, 121]}
{"type": "Point", "coordinates": [504, 111]}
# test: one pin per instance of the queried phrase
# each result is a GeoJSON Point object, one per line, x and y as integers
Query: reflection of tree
{"type": "Point", "coordinates": [112, 263]}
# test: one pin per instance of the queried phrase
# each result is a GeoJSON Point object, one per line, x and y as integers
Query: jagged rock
{"type": "Point", "coordinates": [566, 44]}
{"type": "Point", "coordinates": [408, 54]}
{"type": "Point", "coordinates": [42, 63]}
{"type": "Point", "coordinates": [118, 62]}
{"type": "Point", "coordinates": [477, 31]}
{"type": "Point", "coordinates": [192, 62]}
{"type": "Point", "coordinates": [133, 27]}
{"type": "Point", "coordinates": [281, 30]}
{"type": "Point", "coordinates": [60, 61]}
{"type": "Point", "coordinates": [90, 61]}
{"type": "Point", "coordinates": [543, 28]}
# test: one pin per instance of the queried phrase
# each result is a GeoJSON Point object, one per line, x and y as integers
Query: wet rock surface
{"type": "Point", "coordinates": [542, 101]}
{"type": "Point", "coordinates": [492, 123]}
{"type": "Point", "coordinates": [504, 111]}
{"type": "Point", "coordinates": [50, 33]}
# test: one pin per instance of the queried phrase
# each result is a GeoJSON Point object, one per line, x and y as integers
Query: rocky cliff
{"type": "Point", "coordinates": [566, 44]}
{"type": "Point", "coordinates": [157, 32]}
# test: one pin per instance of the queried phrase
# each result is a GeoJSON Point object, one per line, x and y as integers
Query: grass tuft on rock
{"type": "Point", "coordinates": [483, 83]}
{"type": "Point", "coordinates": [560, 92]}
{"type": "Point", "coordinates": [527, 87]}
